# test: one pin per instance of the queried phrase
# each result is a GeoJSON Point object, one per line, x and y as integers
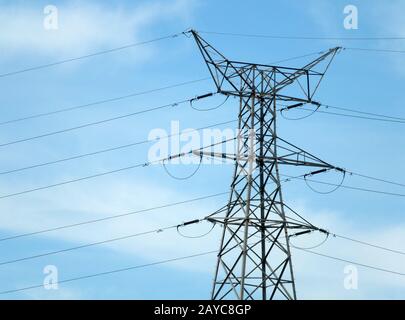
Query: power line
{"type": "Point", "coordinates": [298, 57]}
{"type": "Point", "coordinates": [376, 179]}
{"type": "Point", "coordinates": [107, 150]}
{"type": "Point", "coordinates": [74, 180]}
{"type": "Point", "coordinates": [351, 239]}
{"type": "Point", "coordinates": [43, 66]}
{"type": "Point", "coordinates": [286, 37]}
{"type": "Point", "coordinates": [87, 245]}
{"type": "Point", "coordinates": [363, 112]}
{"type": "Point", "coordinates": [113, 216]}
{"type": "Point", "coordinates": [328, 106]}
{"type": "Point", "coordinates": [189, 257]}
{"type": "Point", "coordinates": [247, 35]}
{"type": "Point", "coordinates": [368, 244]}
{"type": "Point", "coordinates": [353, 116]}
{"type": "Point", "coordinates": [113, 271]}
{"type": "Point", "coordinates": [98, 102]}
{"type": "Point", "coordinates": [92, 244]}
{"type": "Point", "coordinates": [207, 32]}
{"type": "Point", "coordinates": [145, 164]}
{"type": "Point", "coordinates": [352, 262]}
{"type": "Point", "coordinates": [158, 230]}
{"type": "Point", "coordinates": [373, 178]}
{"type": "Point", "coordinates": [359, 175]}
{"type": "Point", "coordinates": [376, 50]}
{"type": "Point", "coordinates": [198, 220]}
{"type": "Point", "coordinates": [346, 187]}
{"type": "Point", "coordinates": [132, 114]}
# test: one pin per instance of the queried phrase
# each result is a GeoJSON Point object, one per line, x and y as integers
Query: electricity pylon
{"type": "Point", "coordinates": [254, 259]}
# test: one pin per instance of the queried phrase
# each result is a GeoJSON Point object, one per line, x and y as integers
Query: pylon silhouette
{"type": "Point", "coordinates": [254, 259]}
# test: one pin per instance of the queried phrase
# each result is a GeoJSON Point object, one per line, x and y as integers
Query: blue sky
{"type": "Point", "coordinates": [371, 82]}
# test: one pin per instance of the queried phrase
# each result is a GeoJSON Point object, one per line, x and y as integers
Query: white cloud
{"type": "Point", "coordinates": [112, 198]}
{"type": "Point", "coordinates": [316, 277]}
{"type": "Point", "coordinates": [83, 26]}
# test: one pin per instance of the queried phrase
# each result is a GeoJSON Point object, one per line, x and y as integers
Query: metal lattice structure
{"type": "Point", "coordinates": [254, 259]}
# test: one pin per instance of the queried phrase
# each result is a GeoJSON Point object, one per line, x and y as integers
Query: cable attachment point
{"type": "Point", "coordinates": [323, 231]}
{"type": "Point", "coordinates": [298, 105]}
{"type": "Point", "coordinates": [202, 97]}
{"type": "Point", "coordinates": [310, 231]}
{"type": "Point", "coordinates": [337, 186]}
{"type": "Point", "coordinates": [315, 172]}
{"type": "Point", "coordinates": [212, 220]}
{"type": "Point", "coordinates": [300, 233]}
{"type": "Point", "coordinates": [188, 32]}
{"type": "Point", "coordinates": [340, 169]}
{"type": "Point", "coordinates": [206, 96]}
{"type": "Point", "coordinates": [292, 106]}
{"type": "Point", "coordinates": [189, 222]}
{"type": "Point", "coordinates": [338, 49]}
{"type": "Point", "coordinates": [315, 103]}
{"type": "Point", "coordinates": [178, 156]}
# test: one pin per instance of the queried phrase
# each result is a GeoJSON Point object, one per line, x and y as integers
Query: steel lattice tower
{"type": "Point", "coordinates": [254, 259]}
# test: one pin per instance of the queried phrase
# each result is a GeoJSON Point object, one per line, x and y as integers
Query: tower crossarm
{"type": "Point", "coordinates": [232, 77]}
{"type": "Point", "coordinates": [281, 160]}
{"type": "Point", "coordinates": [288, 154]}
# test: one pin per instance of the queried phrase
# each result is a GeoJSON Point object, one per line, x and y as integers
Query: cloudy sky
{"type": "Point", "coordinates": [362, 80]}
